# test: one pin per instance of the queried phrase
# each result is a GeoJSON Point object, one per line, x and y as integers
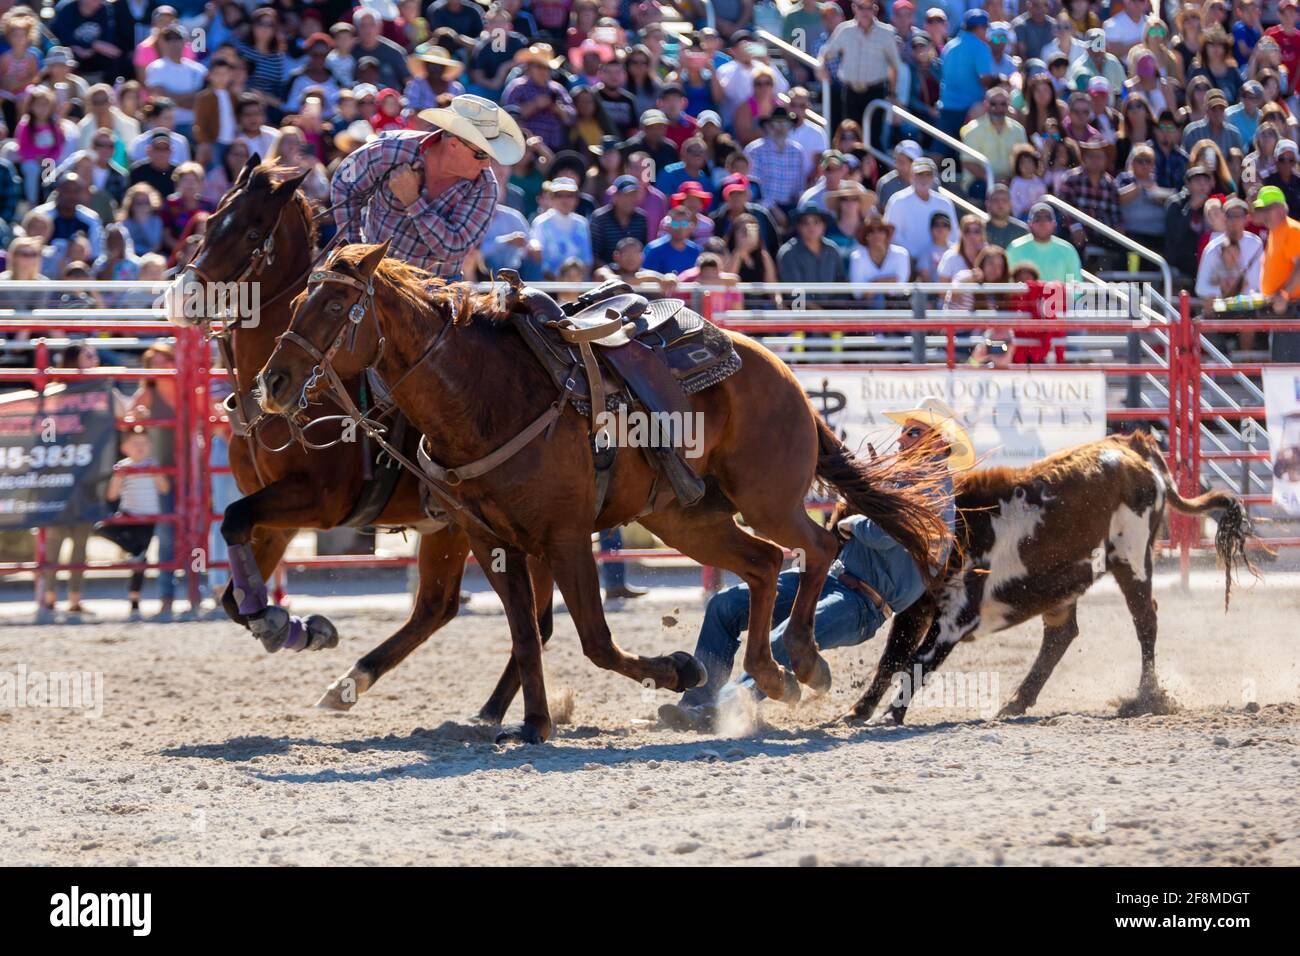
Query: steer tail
{"type": "Point", "coordinates": [893, 492]}
{"type": "Point", "coordinates": [1235, 526]}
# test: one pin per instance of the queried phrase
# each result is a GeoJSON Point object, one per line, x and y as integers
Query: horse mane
{"type": "Point", "coordinates": [417, 289]}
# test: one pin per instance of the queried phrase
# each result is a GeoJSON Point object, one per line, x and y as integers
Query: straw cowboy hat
{"type": "Point", "coordinates": [482, 124]}
{"type": "Point", "coordinates": [542, 53]}
{"type": "Point", "coordinates": [432, 53]}
{"type": "Point", "coordinates": [943, 419]}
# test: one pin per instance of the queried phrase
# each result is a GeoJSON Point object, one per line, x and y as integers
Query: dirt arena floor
{"type": "Point", "coordinates": [207, 752]}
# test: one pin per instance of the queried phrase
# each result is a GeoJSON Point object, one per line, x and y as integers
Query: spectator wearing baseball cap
{"type": "Point", "coordinates": [1097, 62]}
{"type": "Point", "coordinates": [1185, 222]}
{"type": "Point", "coordinates": [737, 202]}
{"type": "Point", "coordinates": [968, 69]}
{"type": "Point", "coordinates": [809, 256]}
{"type": "Point", "coordinates": [653, 140]}
{"type": "Point", "coordinates": [675, 251]}
{"type": "Point", "coordinates": [696, 199]}
{"type": "Point", "coordinates": [995, 134]}
{"type": "Point", "coordinates": [911, 209]}
{"type": "Point", "coordinates": [1287, 176]}
{"type": "Point", "coordinates": [1232, 263]}
{"type": "Point", "coordinates": [560, 231]}
{"type": "Point", "coordinates": [671, 101]}
{"type": "Point", "coordinates": [1214, 126]}
{"type": "Point", "coordinates": [620, 218]}
{"type": "Point", "coordinates": [694, 167]}
{"type": "Point", "coordinates": [1055, 259]}
{"type": "Point", "coordinates": [834, 167]}
{"type": "Point", "coordinates": [1280, 280]}
{"type": "Point", "coordinates": [900, 177]}
{"type": "Point", "coordinates": [1244, 114]}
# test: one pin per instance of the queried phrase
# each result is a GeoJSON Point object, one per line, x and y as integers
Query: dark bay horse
{"type": "Point", "coordinates": [466, 379]}
{"type": "Point", "coordinates": [263, 232]}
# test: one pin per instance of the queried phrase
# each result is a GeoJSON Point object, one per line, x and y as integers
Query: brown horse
{"type": "Point", "coordinates": [466, 379]}
{"type": "Point", "coordinates": [263, 231]}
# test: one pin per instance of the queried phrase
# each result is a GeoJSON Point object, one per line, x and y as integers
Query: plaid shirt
{"type": "Point", "coordinates": [1100, 201]}
{"type": "Point", "coordinates": [781, 172]}
{"type": "Point", "coordinates": [434, 234]}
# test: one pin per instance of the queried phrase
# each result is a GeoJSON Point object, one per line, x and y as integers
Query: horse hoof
{"type": "Point", "coordinates": [341, 695]}
{"type": "Point", "coordinates": [792, 690]}
{"type": "Point", "coordinates": [521, 733]}
{"type": "Point", "coordinates": [1011, 709]}
{"type": "Point", "coordinates": [820, 681]}
{"type": "Point", "coordinates": [690, 672]}
{"type": "Point", "coordinates": [321, 633]}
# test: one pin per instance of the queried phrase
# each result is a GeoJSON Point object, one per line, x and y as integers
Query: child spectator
{"type": "Point", "coordinates": [137, 495]}
{"type": "Point", "coordinates": [41, 139]}
{"type": "Point", "coordinates": [928, 256]}
{"type": "Point", "coordinates": [18, 65]}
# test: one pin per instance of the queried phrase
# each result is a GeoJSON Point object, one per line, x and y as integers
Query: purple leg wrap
{"type": "Point", "coordinates": [297, 639]}
{"type": "Point", "coordinates": [250, 589]}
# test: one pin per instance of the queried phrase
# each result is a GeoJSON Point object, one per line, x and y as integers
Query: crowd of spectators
{"type": "Point", "coordinates": [659, 152]}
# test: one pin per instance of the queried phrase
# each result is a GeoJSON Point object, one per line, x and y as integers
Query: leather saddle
{"type": "Point", "coordinates": [613, 348]}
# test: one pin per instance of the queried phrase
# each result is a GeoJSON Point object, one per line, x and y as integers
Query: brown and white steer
{"type": "Point", "coordinates": [1031, 541]}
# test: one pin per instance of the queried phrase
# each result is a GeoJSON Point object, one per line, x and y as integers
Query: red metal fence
{"type": "Point", "coordinates": [193, 422]}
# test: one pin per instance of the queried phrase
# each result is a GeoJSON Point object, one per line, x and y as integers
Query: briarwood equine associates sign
{"type": "Point", "coordinates": [1282, 408]}
{"type": "Point", "coordinates": [56, 452]}
{"type": "Point", "coordinates": [1014, 418]}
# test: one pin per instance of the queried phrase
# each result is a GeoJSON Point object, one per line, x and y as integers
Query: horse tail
{"type": "Point", "coordinates": [893, 492]}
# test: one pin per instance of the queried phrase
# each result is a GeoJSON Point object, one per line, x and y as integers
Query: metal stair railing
{"type": "Point", "coordinates": [876, 106]}
{"type": "Point", "coordinates": [790, 52]}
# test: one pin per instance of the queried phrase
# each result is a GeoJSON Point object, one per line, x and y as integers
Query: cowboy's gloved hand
{"type": "Point", "coordinates": [405, 184]}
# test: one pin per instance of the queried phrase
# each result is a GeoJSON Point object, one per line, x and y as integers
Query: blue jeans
{"type": "Point", "coordinates": [613, 573]}
{"type": "Point", "coordinates": [224, 492]}
{"type": "Point", "coordinates": [844, 618]}
{"type": "Point", "coordinates": [167, 549]}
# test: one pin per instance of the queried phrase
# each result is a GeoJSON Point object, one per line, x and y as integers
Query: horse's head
{"type": "Point", "coordinates": [334, 325]}
{"type": "Point", "coordinates": [239, 244]}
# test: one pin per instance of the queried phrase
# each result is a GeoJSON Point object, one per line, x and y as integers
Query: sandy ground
{"type": "Point", "coordinates": [207, 753]}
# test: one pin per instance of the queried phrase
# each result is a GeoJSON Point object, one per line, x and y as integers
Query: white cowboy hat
{"type": "Point", "coordinates": [482, 124]}
{"type": "Point", "coordinates": [939, 416]}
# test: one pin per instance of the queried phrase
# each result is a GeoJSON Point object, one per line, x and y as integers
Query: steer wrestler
{"type": "Point", "coordinates": [872, 579]}
{"type": "Point", "coordinates": [440, 191]}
